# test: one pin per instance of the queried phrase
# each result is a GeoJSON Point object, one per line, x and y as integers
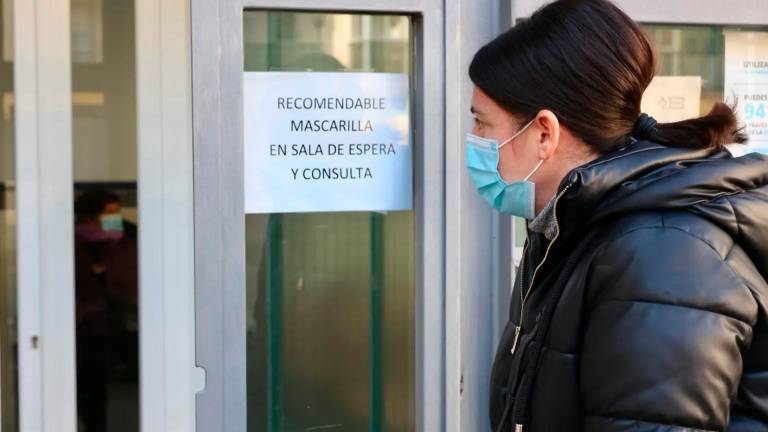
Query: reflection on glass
{"type": "Point", "coordinates": [8, 342]}
{"type": "Point", "coordinates": [691, 51]}
{"type": "Point", "coordinates": [106, 269]}
{"type": "Point", "coordinates": [703, 51]}
{"type": "Point", "coordinates": [330, 296]}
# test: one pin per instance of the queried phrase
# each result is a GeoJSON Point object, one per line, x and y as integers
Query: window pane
{"type": "Point", "coordinates": [694, 51]}
{"type": "Point", "coordinates": [330, 296]}
{"type": "Point", "coordinates": [8, 341]}
{"type": "Point", "coordinates": [105, 166]}
{"type": "Point", "coordinates": [702, 65]}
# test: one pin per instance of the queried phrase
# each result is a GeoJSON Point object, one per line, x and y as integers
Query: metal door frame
{"type": "Point", "coordinates": [45, 242]}
{"type": "Point", "coordinates": [46, 307]}
{"type": "Point", "coordinates": [479, 243]}
{"type": "Point", "coordinates": [217, 65]}
{"type": "Point", "coordinates": [168, 376]}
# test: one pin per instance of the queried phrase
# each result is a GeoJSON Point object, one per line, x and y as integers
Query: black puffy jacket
{"type": "Point", "coordinates": [649, 309]}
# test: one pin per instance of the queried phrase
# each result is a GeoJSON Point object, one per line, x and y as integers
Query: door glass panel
{"type": "Point", "coordinates": [330, 296]}
{"type": "Point", "coordinates": [105, 166]}
{"type": "Point", "coordinates": [8, 345]}
{"type": "Point", "coordinates": [701, 65]}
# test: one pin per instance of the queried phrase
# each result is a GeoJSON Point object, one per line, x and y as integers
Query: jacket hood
{"type": "Point", "coordinates": [644, 176]}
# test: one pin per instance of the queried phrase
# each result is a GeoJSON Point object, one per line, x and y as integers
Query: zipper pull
{"type": "Point", "coordinates": [514, 341]}
{"type": "Point", "coordinates": [518, 428]}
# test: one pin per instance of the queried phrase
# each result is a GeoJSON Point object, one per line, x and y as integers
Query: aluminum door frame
{"type": "Point", "coordinates": [479, 266]}
{"type": "Point", "coordinates": [169, 379]}
{"type": "Point", "coordinates": [44, 165]}
{"type": "Point", "coordinates": [45, 241]}
{"type": "Point", "coordinates": [217, 65]}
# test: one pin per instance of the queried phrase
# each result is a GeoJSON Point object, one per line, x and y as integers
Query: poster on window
{"type": "Point", "coordinates": [746, 83]}
{"type": "Point", "coordinates": [673, 98]}
{"type": "Point", "coordinates": [319, 142]}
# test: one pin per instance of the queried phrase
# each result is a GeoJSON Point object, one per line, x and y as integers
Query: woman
{"type": "Point", "coordinates": [641, 301]}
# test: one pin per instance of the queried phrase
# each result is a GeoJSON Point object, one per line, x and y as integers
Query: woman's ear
{"type": "Point", "coordinates": [548, 138]}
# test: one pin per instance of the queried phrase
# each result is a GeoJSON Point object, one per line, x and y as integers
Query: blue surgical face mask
{"type": "Point", "coordinates": [112, 222]}
{"type": "Point", "coordinates": [516, 198]}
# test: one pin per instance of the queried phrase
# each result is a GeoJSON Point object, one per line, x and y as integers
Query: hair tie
{"type": "Point", "coordinates": [645, 126]}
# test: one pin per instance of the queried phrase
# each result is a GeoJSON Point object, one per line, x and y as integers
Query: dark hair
{"type": "Point", "coordinates": [589, 63]}
{"type": "Point", "coordinates": [89, 205]}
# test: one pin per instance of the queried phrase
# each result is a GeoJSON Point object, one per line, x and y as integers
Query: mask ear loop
{"type": "Point", "coordinates": [534, 170]}
{"type": "Point", "coordinates": [517, 134]}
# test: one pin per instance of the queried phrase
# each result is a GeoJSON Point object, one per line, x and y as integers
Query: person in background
{"type": "Point", "coordinates": [92, 244]}
{"type": "Point", "coordinates": [106, 301]}
{"type": "Point", "coordinates": [641, 301]}
{"type": "Point", "coordinates": [123, 289]}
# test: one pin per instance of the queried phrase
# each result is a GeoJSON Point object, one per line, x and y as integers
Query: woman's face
{"type": "Point", "coordinates": [518, 157]}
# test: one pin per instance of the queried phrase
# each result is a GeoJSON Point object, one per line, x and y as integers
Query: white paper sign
{"type": "Point", "coordinates": [317, 142]}
{"type": "Point", "coordinates": [673, 98]}
{"type": "Point", "coordinates": [746, 82]}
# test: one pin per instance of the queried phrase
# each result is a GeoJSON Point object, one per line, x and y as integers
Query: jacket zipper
{"type": "Point", "coordinates": [521, 269]}
{"type": "Point", "coordinates": [518, 328]}
{"type": "Point", "coordinates": [519, 426]}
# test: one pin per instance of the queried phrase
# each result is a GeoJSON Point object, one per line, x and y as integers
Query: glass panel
{"type": "Point", "coordinates": [701, 65]}
{"type": "Point", "coordinates": [105, 166]}
{"type": "Point", "coordinates": [8, 342]}
{"type": "Point", "coordinates": [330, 296]}
{"type": "Point", "coordinates": [520, 235]}
{"type": "Point", "coordinates": [694, 51]}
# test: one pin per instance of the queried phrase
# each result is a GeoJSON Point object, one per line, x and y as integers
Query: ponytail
{"type": "Point", "coordinates": [715, 130]}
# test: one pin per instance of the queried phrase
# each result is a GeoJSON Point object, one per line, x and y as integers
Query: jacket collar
{"type": "Point", "coordinates": [645, 176]}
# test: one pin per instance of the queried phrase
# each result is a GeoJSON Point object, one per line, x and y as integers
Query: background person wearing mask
{"type": "Point", "coordinates": [106, 302]}
{"type": "Point", "coordinates": [641, 302]}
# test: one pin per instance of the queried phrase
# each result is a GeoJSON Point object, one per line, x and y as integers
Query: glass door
{"type": "Point", "coordinates": [330, 294]}
{"type": "Point", "coordinates": [8, 321]}
{"type": "Point", "coordinates": [103, 50]}
{"type": "Point", "coordinates": [94, 99]}
{"type": "Point", "coordinates": [704, 64]}
{"type": "Point", "coordinates": [318, 214]}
